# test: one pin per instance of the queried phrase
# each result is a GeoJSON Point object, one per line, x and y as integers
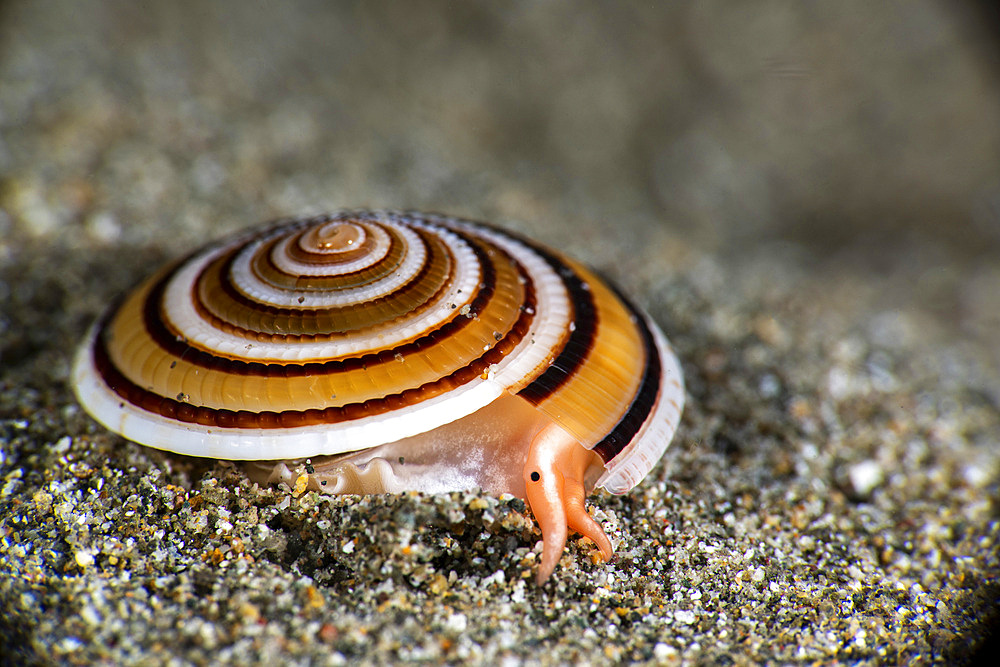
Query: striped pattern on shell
{"type": "Point", "coordinates": [341, 332]}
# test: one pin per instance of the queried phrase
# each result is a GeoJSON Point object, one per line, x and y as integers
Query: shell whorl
{"type": "Point", "coordinates": [346, 331]}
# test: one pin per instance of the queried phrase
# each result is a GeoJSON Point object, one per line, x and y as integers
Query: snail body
{"type": "Point", "coordinates": [396, 351]}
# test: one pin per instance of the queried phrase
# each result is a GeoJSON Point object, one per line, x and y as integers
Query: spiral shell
{"type": "Point", "coordinates": [344, 332]}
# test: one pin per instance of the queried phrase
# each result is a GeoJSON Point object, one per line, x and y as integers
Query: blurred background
{"type": "Point", "coordinates": [726, 123]}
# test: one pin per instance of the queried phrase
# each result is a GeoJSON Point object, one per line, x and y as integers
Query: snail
{"type": "Point", "coordinates": [394, 351]}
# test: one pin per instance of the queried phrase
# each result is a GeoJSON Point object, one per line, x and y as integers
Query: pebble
{"type": "Point", "coordinates": [865, 477]}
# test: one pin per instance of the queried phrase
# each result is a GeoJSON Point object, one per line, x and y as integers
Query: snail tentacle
{"type": "Point", "coordinates": [555, 474]}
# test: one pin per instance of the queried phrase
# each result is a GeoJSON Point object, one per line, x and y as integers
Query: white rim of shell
{"type": "Point", "coordinates": [634, 462]}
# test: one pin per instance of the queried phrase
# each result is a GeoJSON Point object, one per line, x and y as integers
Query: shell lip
{"type": "Point", "coordinates": [635, 461]}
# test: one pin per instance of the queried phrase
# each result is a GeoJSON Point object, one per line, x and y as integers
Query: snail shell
{"type": "Point", "coordinates": [397, 351]}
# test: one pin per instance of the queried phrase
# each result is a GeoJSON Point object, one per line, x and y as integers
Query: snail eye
{"type": "Point", "coordinates": [535, 476]}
